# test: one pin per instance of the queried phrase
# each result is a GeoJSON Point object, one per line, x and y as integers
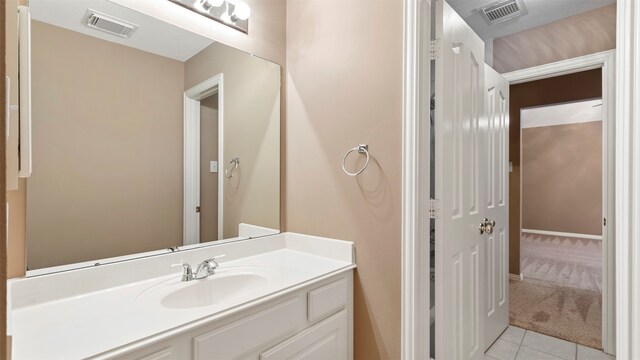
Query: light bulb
{"type": "Point", "coordinates": [216, 3]}
{"type": "Point", "coordinates": [241, 10]}
{"type": "Point", "coordinates": [226, 18]}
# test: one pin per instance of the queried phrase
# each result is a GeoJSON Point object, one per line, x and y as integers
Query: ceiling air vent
{"type": "Point", "coordinates": [106, 23]}
{"type": "Point", "coordinates": [501, 11]}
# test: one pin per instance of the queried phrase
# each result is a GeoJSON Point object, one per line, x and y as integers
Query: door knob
{"type": "Point", "coordinates": [487, 226]}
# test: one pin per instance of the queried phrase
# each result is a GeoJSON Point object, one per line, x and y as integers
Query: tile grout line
{"type": "Point", "coordinates": [544, 352]}
{"type": "Point", "coordinates": [520, 344]}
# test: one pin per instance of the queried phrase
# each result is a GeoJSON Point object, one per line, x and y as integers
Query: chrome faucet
{"type": "Point", "coordinates": [204, 269]}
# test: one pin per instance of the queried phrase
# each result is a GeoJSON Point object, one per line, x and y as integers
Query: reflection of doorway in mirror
{"type": "Point", "coordinates": [209, 169]}
{"type": "Point", "coordinates": [192, 162]}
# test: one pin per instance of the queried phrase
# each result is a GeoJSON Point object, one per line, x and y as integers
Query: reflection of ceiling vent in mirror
{"type": "Point", "coordinates": [501, 11]}
{"type": "Point", "coordinates": [106, 23]}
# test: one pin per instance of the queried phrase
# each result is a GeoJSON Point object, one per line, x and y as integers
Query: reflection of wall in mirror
{"type": "Point", "coordinates": [251, 132]}
{"type": "Point", "coordinates": [107, 145]}
{"type": "Point", "coordinates": [267, 39]}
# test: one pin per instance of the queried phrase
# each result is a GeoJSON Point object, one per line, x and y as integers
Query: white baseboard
{"type": "Point", "coordinates": [563, 234]}
{"type": "Point", "coordinates": [516, 277]}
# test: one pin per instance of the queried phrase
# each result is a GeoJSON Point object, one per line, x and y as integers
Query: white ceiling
{"type": "Point", "coordinates": [540, 12]}
{"type": "Point", "coordinates": [153, 35]}
{"type": "Point", "coordinates": [562, 114]}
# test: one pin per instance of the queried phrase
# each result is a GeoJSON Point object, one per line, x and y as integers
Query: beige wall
{"type": "Point", "coordinates": [101, 186]}
{"type": "Point", "coordinates": [344, 87]}
{"type": "Point", "coordinates": [208, 180]}
{"type": "Point", "coordinates": [16, 251]}
{"type": "Point", "coordinates": [562, 178]}
{"type": "Point", "coordinates": [586, 33]}
{"type": "Point", "coordinates": [251, 123]}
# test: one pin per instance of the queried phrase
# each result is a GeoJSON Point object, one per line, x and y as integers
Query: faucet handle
{"type": "Point", "coordinates": [187, 272]}
{"type": "Point", "coordinates": [213, 264]}
{"type": "Point", "coordinates": [216, 258]}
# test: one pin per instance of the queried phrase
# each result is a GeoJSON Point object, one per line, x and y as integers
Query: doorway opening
{"type": "Point", "coordinates": [559, 292]}
{"type": "Point", "coordinates": [469, 267]}
{"type": "Point", "coordinates": [203, 146]}
{"type": "Point", "coordinates": [563, 113]}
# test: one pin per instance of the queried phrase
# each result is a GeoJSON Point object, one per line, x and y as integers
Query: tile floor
{"type": "Point", "coordinates": [520, 344]}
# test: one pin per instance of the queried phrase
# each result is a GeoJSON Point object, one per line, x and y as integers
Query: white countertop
{"type": "Point", "coordinates": [78, 323]}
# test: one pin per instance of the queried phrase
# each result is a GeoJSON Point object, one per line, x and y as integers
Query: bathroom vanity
{"type": "Point", "coordinates": [275, 297]}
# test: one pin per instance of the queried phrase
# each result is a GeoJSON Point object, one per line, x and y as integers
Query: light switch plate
{"type": "Point", "coordinates": [213, 166]}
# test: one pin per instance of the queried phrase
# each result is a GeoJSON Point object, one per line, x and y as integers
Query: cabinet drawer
{"type": "Point", "coordinates": [232, 340]}
{"type": "Point", "coordinates": [326, 340]}
{"type": "Point", "coordinates": [327, 299]}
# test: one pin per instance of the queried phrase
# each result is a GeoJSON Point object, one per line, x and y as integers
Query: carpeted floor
{"type": "Point", "coordinates": [561, 295]}
{"type": "Point", "coordinates": [565, 261]}
{"type": "Point", "coordinates": [567, 313]}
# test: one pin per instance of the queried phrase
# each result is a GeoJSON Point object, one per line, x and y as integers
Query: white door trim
{"type": "Point", "coordinates": [415, 183]}
{"type": "Point", "coordinates": [191, 156]}
{"type": "Point", "coordinates": [563, 67]}
{"type": "Point", "coordinates": [627, 180]}
{"type": "Point", "coordinates": [606, 61]}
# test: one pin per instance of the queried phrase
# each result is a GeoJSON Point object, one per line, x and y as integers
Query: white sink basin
{"type": "Point", "coordinates": [213, 290]}
{"type": "Point", "coordinates": [226, 285]}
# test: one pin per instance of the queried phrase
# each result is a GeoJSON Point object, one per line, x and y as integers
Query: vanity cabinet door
{"type": "Point", "coordinates": [326, 340]}
{"type": "Point", "coordinates": [237, 339]}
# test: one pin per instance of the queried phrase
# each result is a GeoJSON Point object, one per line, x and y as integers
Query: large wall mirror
{"type": "Point", "coordinates": [144, 143]}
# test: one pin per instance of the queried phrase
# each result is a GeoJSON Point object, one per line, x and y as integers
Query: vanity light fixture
{"type": "Point", "coordinates": [233, 13]}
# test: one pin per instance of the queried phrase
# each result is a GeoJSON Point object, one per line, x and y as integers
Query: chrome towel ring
{"type": "Point", "coordinates": [231, 167]}
{"type": "Point", "coordinates": [361, 149]}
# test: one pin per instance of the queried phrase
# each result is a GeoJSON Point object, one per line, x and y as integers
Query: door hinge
{"type": "Point", "coordinates": [604, 221]}
{"type": "Point", "coordinates": [197, 209]}
{"type": "Point", "coordinates": [434, 209]}
{"type": "Point", "coordinates": [434, 49]}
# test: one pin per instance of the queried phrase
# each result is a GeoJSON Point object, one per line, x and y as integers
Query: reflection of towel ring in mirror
{"type": "Point", "coordinates": [231, 167]}
{"type": "Point", "coordinates": [361, 149]}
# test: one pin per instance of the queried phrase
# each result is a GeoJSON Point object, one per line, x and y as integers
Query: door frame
{"type": "Point", "coordinates": [415, 291]}
{"type": "Point", "coordinates": [606, 61]}
{"type": "Point", "coordinates": [191, 156]}
{"type": "Point", "coordinates": [415, 314]}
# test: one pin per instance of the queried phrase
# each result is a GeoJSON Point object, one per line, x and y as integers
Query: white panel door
{"type": "Point", "coordinates": [496, 206]}
{"type": "Point", "coordinates": [460, 184]}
